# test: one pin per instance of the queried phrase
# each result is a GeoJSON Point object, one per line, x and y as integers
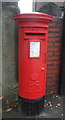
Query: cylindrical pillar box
{"type": "Point", "coordinates": [33, 37]}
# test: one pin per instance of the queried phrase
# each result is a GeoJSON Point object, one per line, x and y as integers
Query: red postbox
{"type": "Point", "coordinates": [33, 40]}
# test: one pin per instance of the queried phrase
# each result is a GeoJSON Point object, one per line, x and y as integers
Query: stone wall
{"type": "Point", "coordinates": [9, 50]}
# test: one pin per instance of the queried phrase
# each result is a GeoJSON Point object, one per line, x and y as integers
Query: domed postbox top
{"type": "Point", "coordinates": [34, 17]}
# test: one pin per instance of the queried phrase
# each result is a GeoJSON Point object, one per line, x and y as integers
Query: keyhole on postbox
{"type": "Point", "coordinates": [43, 67]}
{"type": "Point", "coordinates": [44, 63]}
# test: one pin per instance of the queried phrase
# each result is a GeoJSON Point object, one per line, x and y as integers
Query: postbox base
{"type": "Point", "coordinates": [32, 107]}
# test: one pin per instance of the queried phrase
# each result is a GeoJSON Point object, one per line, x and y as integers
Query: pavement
{"type": "Point", "coordinates": [53, 108]}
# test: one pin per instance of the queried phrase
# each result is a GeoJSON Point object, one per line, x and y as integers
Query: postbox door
{"type": "Point", "coordinates": [37, 55]}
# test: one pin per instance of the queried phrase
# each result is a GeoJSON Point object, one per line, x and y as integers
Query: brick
{"type": "Point", "coordinates": [54, 39]}
{"type": "Point", "coordinates": [53, 48]}
{"type": "Point", "coordinates": [58, 20]}
{"type": "Point", "coordinates": [55, 34]}
{"type": "Point", "coordinates": [55, 44]}
{"type": "Point", "coordinates": [54, 30]}
{"type": "Point", "coordinates": [53, 87]}
{"type": "Point", "coordinates": [54, 57]}
{"type": "Point", "coordinates": [52, 75]}
{"type": "Point", "coordinates": [53, 53]}
{"type": "Point", "coordinates": [55, 27]}
{"type": "Point", "coordinates": [49, 73]}
{"type": "Point", "coordinates": [49, 65]}
{"type": "Point", "coordinates": [53, 71]}
{"type": "Point", "coordinates": [53, 62]}
{"type": "Point", "coordinates": [49, 76]}
{"type": "Point", "coordinates": [53, 67]}
{"type": "Point", "coordinates": [50, 53]}
{"type": "Point", "coordinates": [50, 81]}
{"type": "Point", "coordinates": [55, 24]}
{"type": "Point", "coordinates": [52, 84]}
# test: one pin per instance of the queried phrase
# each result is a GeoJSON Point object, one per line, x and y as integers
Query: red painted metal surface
{"type": "Point", "coordinates": [33, 36]}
